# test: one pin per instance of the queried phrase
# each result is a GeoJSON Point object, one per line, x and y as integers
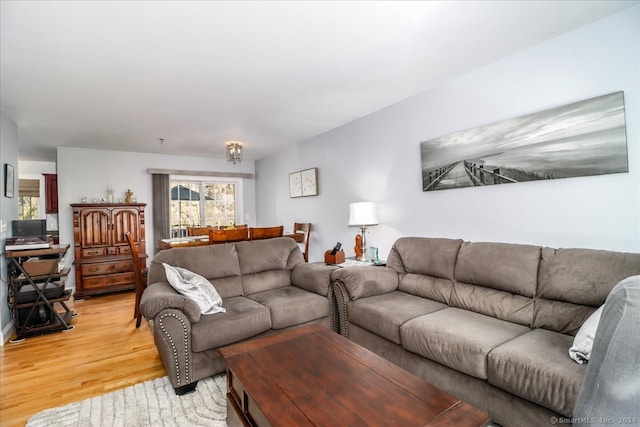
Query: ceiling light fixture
{"type": "Point", "coordinates": [234, 152]}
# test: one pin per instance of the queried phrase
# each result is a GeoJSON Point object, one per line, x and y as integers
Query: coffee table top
{"type": "Point", "coordinates": [313, 376]}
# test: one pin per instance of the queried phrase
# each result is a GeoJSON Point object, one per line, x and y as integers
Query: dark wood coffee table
{"type": "Point", "coordinates": [311, 376]}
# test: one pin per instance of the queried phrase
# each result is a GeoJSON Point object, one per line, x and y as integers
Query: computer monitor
{"type": "Point", "coordinates": [30, 228]}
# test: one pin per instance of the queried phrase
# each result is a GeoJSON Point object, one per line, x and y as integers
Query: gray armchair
{"type": "Point", "coordinates": [610, 393]}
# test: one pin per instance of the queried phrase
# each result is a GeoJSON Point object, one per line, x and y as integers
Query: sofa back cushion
{"type": "Point", "coordinates": [573, 283]}
{"type": "Point", "coordinates": [217, 263]}
{"type": "Point", "coordinates": [425, 266]}
{"type": "Point", "coordinates": [423, 255]}
{"type": "Point", "coordinates": [267, 264]}
{"type": "Point", "coordinates": [497, 279]}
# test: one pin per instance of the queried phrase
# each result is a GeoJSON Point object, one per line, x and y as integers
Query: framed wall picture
{"type": "Point", "coordinates": [303, 183]}
{"type": "Point", "coordinates": [9, 180]}
{"type": "Point", "coordinates": [309, 182]}
{"type": "Point", "coordinates": [580, 139]}
{"type": "Point", "coordinates": [295, 184]}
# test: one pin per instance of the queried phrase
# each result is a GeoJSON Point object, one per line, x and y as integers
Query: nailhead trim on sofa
{"type": "Point", "coordinates": [174, 349]}
{"type": "Point", "coordinates": [339, 302]}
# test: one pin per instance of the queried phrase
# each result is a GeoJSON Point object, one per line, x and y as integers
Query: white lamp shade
{"type": "Point", "coordinates": [363, 213]}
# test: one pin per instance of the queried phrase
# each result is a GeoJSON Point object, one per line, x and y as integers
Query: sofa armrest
{"type": "Point", "coordinates": [312, 277]}
{"type": "Point", "coordinates": [338, 308]}
{"type": "Point", "coordinates": [172, 336]}
{"type": "Point", "coordinates": [366, 281]}
{"type": "Point", "coordinates": [161, 296]}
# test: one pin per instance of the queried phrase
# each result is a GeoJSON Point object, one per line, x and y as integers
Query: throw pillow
{"type": "Point", "coordinates": [195, 287]}
{"type": "Point", "coordinates": [583, 341]}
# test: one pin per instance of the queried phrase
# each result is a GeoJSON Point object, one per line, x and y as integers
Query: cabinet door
{"type": "Point", "coordinates": [51, 192]}
{"type": "Point", "coordinates": [94, 227]}
{"type": "Point", "coordinates": [125, 220]}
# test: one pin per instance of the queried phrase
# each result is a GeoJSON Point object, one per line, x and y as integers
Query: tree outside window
{"type": "Point", "coordinates": [201, 204]}
{"type": "Point", "coordinates": [28, 198]}
{"type": "Point", "coordinates": [220, 204]}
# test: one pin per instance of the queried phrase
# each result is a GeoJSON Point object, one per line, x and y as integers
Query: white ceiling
{"type": "Point", "coordinates": [122, 74]}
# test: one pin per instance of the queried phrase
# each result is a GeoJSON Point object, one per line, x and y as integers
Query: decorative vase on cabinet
{"type": "Point", "coordinates": [102, 256]}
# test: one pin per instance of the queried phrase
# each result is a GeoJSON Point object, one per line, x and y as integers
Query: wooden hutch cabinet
{"type": "Point", "coordinates": [102, 255]}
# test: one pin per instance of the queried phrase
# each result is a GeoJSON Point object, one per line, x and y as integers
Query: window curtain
{"type": "Point", "coordinates": [29, 188]}
{"type": "Point", "coordinates": [161, 204]}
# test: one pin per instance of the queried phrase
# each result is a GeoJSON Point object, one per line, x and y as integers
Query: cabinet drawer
{"type": "Point", "coordinates": [118, 250]}
{"type": "Point", "coordinates": [87, 253]}
{"type": "Point", "coordinates": [107, 268]}
{"type": "Point", "coordinates": [108, 281]}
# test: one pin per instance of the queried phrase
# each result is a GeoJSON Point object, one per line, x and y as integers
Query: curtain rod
{"type": "Point", "coordinates": [200, 173]}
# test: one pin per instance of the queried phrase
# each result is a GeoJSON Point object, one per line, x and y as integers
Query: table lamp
{"type": "Point", "coordinates": [363, 214]}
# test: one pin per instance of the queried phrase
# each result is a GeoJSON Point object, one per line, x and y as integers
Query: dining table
{"type": "Point", "coordinates": [182, 242]}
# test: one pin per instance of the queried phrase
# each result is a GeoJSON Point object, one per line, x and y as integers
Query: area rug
{"type": "Point", "coordinates": [152, 403]}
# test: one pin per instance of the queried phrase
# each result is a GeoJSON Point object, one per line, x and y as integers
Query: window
{"type": "Point", "coordinates": [28, 198]}
{"type": "Point", "coordinates": [202, 204]}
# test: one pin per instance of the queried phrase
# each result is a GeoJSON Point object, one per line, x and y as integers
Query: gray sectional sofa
{"type": "Point", "coordinates": [265, 286]}
{"type": "Point", "coordinates": [490, 323]}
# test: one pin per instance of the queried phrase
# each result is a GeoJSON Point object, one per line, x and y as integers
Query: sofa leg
{"type": "Point", "coordinates": [185, 389]}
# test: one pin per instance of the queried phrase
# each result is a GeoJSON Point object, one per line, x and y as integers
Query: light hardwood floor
{"type": "Point", "coordinates": [105, 352]}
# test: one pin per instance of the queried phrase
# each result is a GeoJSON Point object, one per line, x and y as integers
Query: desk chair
{"type": "Point", "coordinates": [140, 276]}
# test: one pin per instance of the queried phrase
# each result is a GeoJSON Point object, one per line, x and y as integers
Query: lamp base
{"type": "Point", "coordinates": [358, 247]}
{"type": "Point", "coordinates": [361, 244]}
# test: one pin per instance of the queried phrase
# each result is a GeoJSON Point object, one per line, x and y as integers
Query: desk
{"type": "Point", "coordinates": [35, 285]}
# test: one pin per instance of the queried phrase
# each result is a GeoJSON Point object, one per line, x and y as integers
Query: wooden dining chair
{"type": "Point", "coordinates": [140, 277]}
{"type": "Point", "coordinates": [224, 236]}
{"type": "Point", "coordinates": [303, 228]}
{"type": "Point", "coordinates": [259, 233]}
{"type": "Point", "coordinates": [198, 231]}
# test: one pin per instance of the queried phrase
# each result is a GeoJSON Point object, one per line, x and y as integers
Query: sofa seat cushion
{"type": "Point", "coordinates": [244, 318]}
{"type": "Point", "coordinates": [292, 306]}
{"type": "Point", "coordinates": [536, 367]}
{"type": "Point", "coordinates": [459, 339]}
{"type": "Point", "coordinates": [384, 314]}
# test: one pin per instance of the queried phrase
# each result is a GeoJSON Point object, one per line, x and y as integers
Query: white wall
{"type": "Point", "coordinates": [8, 213]}
{"type": "Point", "coordinates": [378, 157]}
{"type": "Point", "coordinates": [87, 173]}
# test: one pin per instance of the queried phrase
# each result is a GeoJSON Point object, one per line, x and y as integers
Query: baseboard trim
{"type": "Point", "coordinates": [6, 333]}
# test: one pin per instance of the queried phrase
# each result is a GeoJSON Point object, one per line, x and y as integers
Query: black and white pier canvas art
{"type": "Point", "coordinates": [579, 139]}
